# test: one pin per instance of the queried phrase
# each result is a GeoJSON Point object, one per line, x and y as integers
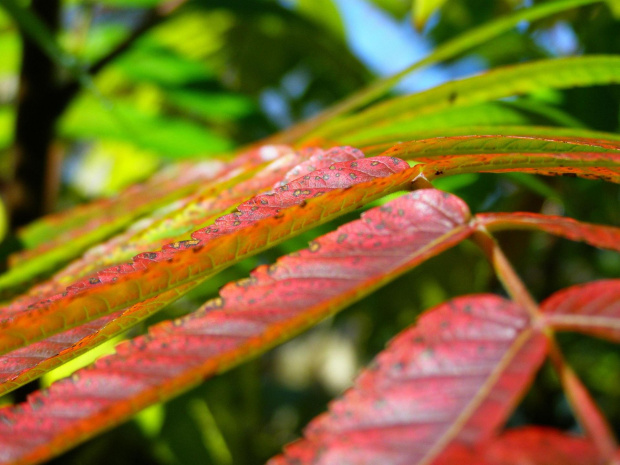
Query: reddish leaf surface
{"type": "Point", "coordinates": [190, 214]}
{"type": "Point", "coordinates": [589, 165]}
{"type": "Point", "coordinates": [251, 315]}
{"type": "Point", "coordinates": [592, 308]}
{"type": "Point", "coordinates": [455, 376]}
{"type": "Point", "coordinates": [606, 237]}
{"type": "Point", "coordinates": [526, 446]}
{"type": "Point", "coordinates": [211, 248]}
{"type": "Point", "coordinates": [29, 362]}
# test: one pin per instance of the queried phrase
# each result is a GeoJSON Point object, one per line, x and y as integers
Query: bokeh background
{"type": "Point", "coordinates": [217, 74]}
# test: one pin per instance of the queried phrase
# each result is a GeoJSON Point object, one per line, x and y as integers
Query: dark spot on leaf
{"type": "Point", "coordinates": [438, 173]}
{"type": "Point", "coordinates": [569, 175]}
{"type": "Point", "coordinates": [352, 175]}
{"type": "Point", "coordinates": [353, 164]}
{"type": "Point", "coordinates": [341, 238]}
{"type": "Point", "coordinates": [452, 97]}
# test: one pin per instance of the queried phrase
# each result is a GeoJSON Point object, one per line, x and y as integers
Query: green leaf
{"type": "Point", "coordinates": [449, 50]}
{"type": "Point", "coordinates": [323, 12]}
{"type": "Point", "coordinates": [423, 10]}
{"type": "Point", "coordinates": [502, 82]}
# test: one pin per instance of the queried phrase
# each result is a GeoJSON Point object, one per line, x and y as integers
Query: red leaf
{"type": "Point", "coordinates": [455, 376]}
{"type": "Point", "coordinates": [272, 305]}
{"type": "Point", "coordinates": [181, 263]}
{"type": "Point", "coordinates": [27, 363]}
{"type": "Point", "coordinates": [124, 246]}
{"type": "Point", "coordinates": [526, 446]}
{"type": "Point", "coordinates": [606, 237]}
{"type": "Point", "coordinates": [592, 308]}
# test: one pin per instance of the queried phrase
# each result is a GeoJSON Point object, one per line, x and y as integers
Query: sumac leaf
{"type": "Point", "coordinates": [531, 446]}
{"type": "Point", "coordinates": [27, 363]}
{"type": "Point", "coordinates": [259, 223]}
{"type": "Point", "coordinates": [251, 315]}
{"type": "Point", "coordinates": [432, 149]}
{"type": "Point", "coordinates": [591, 308]}
{"type": "Point", "coordinates": [454, 377]}
{"type": "Point", "coordinates": [589, 165]}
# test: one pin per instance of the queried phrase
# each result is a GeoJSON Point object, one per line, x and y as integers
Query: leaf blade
{"type": "Point", "coordinates": [507, 81]}
{"type": "Point", "coordinates": [592, 308]}
{"type": "Point", "coordinates": [211, 249]}
{"type": "Point", "coordinates": [436, 356]}
{"type": "Point", "coordinates": [251, 315]}
{"type": "Point", "coordinates": [532, 445]}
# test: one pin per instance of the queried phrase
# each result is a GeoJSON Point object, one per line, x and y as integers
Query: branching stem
{"type": "Point", "coordinates": [587, 412]}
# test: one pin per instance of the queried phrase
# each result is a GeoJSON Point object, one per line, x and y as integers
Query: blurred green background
{"type": "Point", "coordinates": [217, 74]}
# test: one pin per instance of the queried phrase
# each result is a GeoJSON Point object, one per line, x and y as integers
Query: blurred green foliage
{"type": "Point", "coordinates": [217, 74]}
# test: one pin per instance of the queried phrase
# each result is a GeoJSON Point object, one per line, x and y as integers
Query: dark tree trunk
{"type": "Point", "coordinates": [37, 111]}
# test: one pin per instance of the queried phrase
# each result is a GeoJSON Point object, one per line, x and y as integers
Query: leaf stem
{"type": "Point", "coordinates": [506, 274]}
{"type": "Point", "coordinates": [586, 411]}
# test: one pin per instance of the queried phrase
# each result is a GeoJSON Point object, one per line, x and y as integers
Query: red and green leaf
{"type": "Point", "coordinates": [589, 165]}
{"type": "Point", "coordinates": [252, 315]}
{"type": "Point", "coordinates": [432, 149]}
{"type": "Point", "coordinates": [453, 378]}
{"type": "Point", "coordinates": [27, 363]}
{"type": "Point", "coordinates": [154, 279]}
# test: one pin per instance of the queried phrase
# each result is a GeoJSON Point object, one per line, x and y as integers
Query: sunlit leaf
{"type": "Point", "coordinates": [446, 51]}
{"type": "Point", "coordinates": [590, 165]}
{"type": "Point", "coordinates": [250, 316]}
{"type": "Point", "coordinates": [21, 366]}
{"type": "Point", "coordinates": [518, 79]}
{"type": "Point", "coordinates": [454, 377]}
{"type": "Point", "coordinates": [211, 249]}
{"type": "Point", "coordinates": [58, 238]}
